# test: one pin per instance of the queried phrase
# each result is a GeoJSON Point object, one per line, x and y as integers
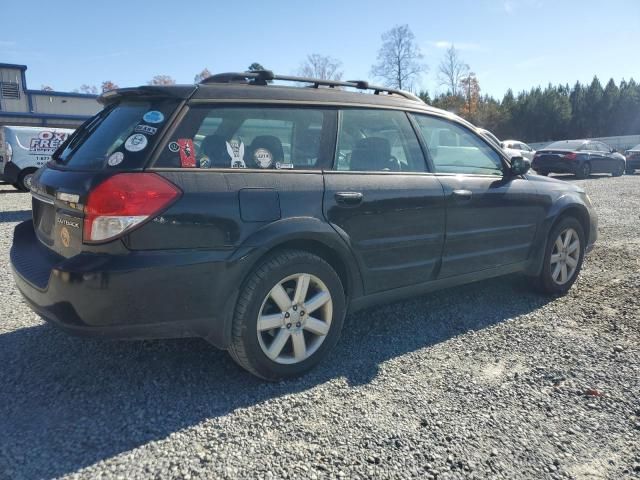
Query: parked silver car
{"type": "Point", "coordinates": [518, 148]}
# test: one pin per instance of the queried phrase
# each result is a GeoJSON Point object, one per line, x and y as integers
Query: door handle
{"type": "Point", "coordinates": [349, 199]}
{"type": "Point", "coordinates": [463, 194]}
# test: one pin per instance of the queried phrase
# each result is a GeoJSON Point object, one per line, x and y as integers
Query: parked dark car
{"type": "Point", "coordinates": [256, 215]}
{"type": "Point", "coordinates": [633, 160]}
{"type": "Point", "coordinates": [580, 157]}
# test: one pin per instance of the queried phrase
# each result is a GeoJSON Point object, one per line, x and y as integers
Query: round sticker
{"type": "Point", "coordinates": [153, 116]}
{"type": "Point", "coordinates": [205, 162]}
{"type": "Point", "coordinates": [174, 147]}
{"type": "Point", "coordinates": [115, 159]}
{"type": "Point", "coordinates": [263, 157]}
{"type": "Point", "coordinates": [136, 142]}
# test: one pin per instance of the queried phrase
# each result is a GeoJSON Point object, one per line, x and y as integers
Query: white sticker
{"type": "Point", "coordinates": [263, 157]}
{"type": "Point", "coordinates": [136, 142]}
{"type": "Point", "coordinates": [283, 165]}
{"type": "Point", "coordinates": [236, 152]}
{"type": "Point", "coordinates": [153, 116]}
{"type": "Point", "coordinates": [174, 147]}
{"type": "Point", "coordinates": [115, 158]}
{"type": "Point", "coordinates": [145, 129]}
{"type": "Point", "coordinates": [205, 162]}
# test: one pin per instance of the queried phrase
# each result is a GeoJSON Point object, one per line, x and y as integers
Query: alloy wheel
{"type": "Point", "coordinates": [565, 256]}
{"type": "Point", "coordinates": [295, 318]}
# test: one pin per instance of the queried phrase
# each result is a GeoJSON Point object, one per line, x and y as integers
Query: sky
{"type": "Point", "coordinates": [517, 44]}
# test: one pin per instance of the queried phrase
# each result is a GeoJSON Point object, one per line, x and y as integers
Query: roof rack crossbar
{"type": "Point", "coordinates": [263, 77]}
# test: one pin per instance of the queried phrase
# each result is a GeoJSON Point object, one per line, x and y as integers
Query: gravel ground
{"type": "Point", "coordinates": [486, 380]}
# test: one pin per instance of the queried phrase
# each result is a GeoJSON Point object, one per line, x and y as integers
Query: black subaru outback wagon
{"type": "Point", "coordinates": [255, 215]}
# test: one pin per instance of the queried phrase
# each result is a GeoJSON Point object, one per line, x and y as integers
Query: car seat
{"type": "Point", "coordinates": [372, 153]}
{"type": "Point", "coordinates": [215, 147]}
{"type": "Point", "coordinates": [268, 142]}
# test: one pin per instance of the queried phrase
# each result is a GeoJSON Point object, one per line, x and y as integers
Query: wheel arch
{"type": "Point", "coordinates": [308, 234]}
{"type": "Point", "coordinates": [565, 206]}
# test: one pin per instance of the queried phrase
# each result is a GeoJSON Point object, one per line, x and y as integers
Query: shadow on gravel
{"type": "Point", "coordinates": [15, 216]}
{"type": "Point", "coordinates": [67, 403]}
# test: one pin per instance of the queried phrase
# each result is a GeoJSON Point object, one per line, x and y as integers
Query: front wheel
{"type": "Point", "coordinates": [288, 316]}
{"type": "Point", "coordinates": [563, 257]}
{"type": "Point", "coordinates": [630, 171]}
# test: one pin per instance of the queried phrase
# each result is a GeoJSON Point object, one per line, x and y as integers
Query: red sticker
{"type": "Point", "coordinates": [187, 153]}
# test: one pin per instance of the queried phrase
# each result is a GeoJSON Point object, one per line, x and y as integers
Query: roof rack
{"type": "Point", "coordinates": [263, 77]}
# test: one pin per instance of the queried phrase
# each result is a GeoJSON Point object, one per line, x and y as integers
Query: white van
{"type": "Point", "coordinates": [25, 149]}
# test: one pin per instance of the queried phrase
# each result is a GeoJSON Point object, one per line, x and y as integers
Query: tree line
{"type": "Point", "coordinates": [555, 112]}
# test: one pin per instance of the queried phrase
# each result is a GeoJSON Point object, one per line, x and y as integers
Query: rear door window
{"type": "Point", "coordinates": [119, 137]}
{"type": "Point", "coordinates": [265, 138]}
{"type": "Point", "coordinates": [377, 140]}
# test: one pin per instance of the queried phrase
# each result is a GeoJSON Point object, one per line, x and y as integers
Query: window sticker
{"type": "Point", "coordinates": [205, 162]}
{"type": "Point", "coordinates": [153, 116]}
{"type": "Point", "coordinates": [263, 157]}
{"type": "Point", "coordinates": [187, 153]}
{"type": "Point", "coordinates": [115, 158]}
{"type": "Point", "coordinates": [280, 165]}
{"type": "Point", "coordinates": [174, 147]}
{"type": "Point", "coordinates": [236, 152]}
{"type": "Point", "coordinates": [136, 142]}
{"type": "Point", "coordinates": [146, 129]}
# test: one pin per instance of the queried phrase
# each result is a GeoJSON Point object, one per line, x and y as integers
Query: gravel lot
{"type": "Point", "coordinates": [487, 380]}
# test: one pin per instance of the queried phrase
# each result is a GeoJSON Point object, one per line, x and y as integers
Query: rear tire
{"type": "Point", "coordinates": [630, 171]}
{"type": "Point", "coordinates": [584, 170]}
{"type": "Point", "coordinates": [24, 180]}
{"type": "Point", "coordinates": [273, 337]}
{"type": "Point", "coordinates": [563, 257]}
{"type": "Point", "coordinates": [619, 170]}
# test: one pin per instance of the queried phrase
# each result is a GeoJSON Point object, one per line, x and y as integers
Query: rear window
{"type": "Point", "coordinates": [119, 137]}
{"type": "Point", "coordinates": [565, 145]}
{"type": "Point", "coordinates": [263, 138]}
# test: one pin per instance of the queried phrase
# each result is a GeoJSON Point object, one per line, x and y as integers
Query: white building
{"type": "Point", "coordinates": [21, 106]}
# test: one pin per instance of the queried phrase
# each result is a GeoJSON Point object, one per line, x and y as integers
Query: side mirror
{"type": "Point", "coordinates": [519, 165]}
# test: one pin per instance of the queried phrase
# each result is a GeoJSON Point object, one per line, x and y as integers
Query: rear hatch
{"type": "Point", "coordinates": [121, 138]}
{"type": "Point", "coordinates": [553, 157]}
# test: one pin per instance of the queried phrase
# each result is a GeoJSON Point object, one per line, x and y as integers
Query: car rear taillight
{"type": "Point", "coordinates": [125, 201]}
{"type": "Point", "coordinates": [570, 156]}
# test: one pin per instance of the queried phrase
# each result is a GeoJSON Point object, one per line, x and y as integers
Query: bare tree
{"type": "Point", "coordinates": [322, 67]}
{"type": "Point", "coordinates": [108, 85]}
{"type": "Point", "coordinates": [202, 75]}
{"type": "Point", "coordinates": [46, 88]}
{"type": "Point", "coordinates": [162, 80]}
{"type": "Point", "coordinates": [452, 70]}
{"type": "Point", "coordinates": [91, 89]}
{"type": "Point", "coordinates": [399, 58]}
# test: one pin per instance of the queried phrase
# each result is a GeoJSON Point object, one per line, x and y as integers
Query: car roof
{"type": "Point", "coordinates": [512, 141]}
{"type": "Point", "coordinates": [260, 88]}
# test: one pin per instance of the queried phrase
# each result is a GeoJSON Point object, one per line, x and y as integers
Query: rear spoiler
{"type": "Point", "coordinates": [182, 92]}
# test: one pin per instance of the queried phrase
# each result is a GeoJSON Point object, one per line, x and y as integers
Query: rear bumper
{"type": "Point", "coordinates": [555, 166]}
{"type": "Point", "coordinates": [633, 163]}
{"type": "Point", "coordinates": [159, 294]}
